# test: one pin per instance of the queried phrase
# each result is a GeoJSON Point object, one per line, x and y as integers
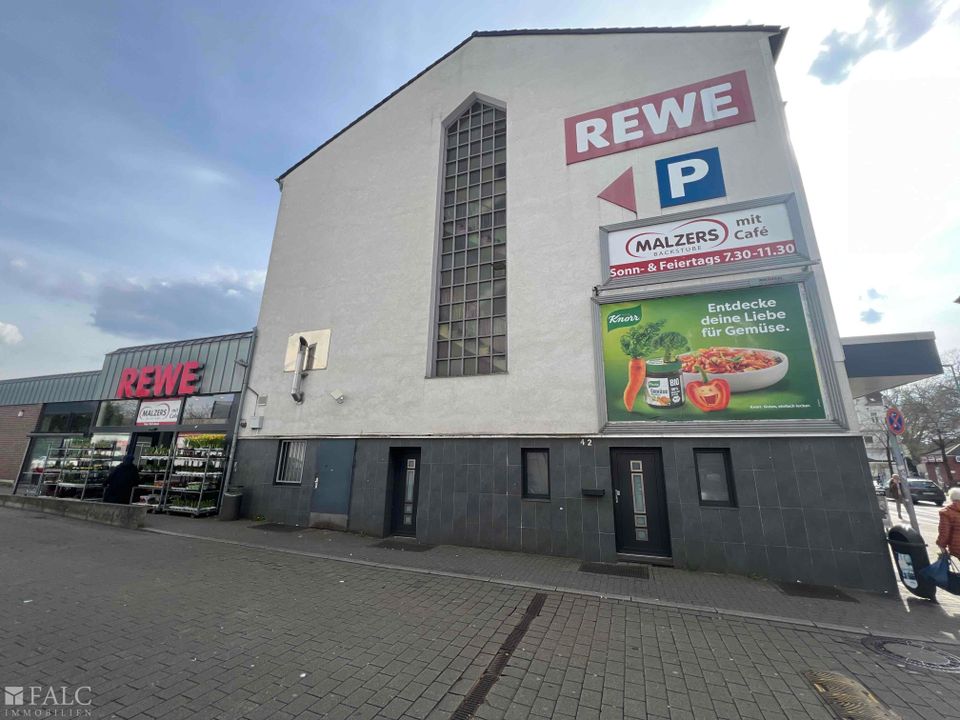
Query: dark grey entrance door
{"type": "Point", "coordinates": [333, 468]}
{"type": "Point", "coordinates": [406, 473]}
{"type": "Point", "coordinates": [640, 505]}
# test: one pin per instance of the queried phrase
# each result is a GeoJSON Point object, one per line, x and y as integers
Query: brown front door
{"type": "Point", "coordinates": [640, 504]}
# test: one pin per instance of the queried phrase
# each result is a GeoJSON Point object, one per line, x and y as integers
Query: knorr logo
{"type": "Point", "coordinates": [624, 318]}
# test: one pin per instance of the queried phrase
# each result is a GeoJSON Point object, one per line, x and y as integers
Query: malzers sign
{"type": "Point", "coordinates": [689, 110]}
{"type": "Point", "coordinates": [159, 412]}
{"type": "Point", "coordinates": [756, 233]}
{"type": "Point", "coordinates": [160, 380]}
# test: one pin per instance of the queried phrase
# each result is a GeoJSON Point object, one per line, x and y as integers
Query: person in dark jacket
{"type": "Point", "coordinates": [121, 481]}
{"type": "Point", "coordinates": [896, 492]}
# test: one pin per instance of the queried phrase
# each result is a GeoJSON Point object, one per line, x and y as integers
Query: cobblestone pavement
{"type": "Point", "coordinates": [901, 615]}
{"type": "Point", "coordinates": [161, 626]}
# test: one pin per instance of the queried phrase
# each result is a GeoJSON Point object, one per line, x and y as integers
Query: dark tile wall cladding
{"type": "Point", "coordinates": [256, 465]}
{"type": "Point", "coordinates": [807, 509]}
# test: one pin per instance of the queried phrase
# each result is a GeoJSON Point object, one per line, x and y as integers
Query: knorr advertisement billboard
{"type": "Point", "coordinates": [727, 355]}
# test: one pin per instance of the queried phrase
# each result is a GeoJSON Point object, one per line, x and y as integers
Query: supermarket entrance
{"type": "Point", "coordinates": [142, 442]}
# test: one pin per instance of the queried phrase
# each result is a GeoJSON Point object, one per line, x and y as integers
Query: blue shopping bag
{"type": "Point", "coordinates": [938, 572]}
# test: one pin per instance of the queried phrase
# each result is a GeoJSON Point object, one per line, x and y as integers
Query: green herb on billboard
{"type": "Point", "coordinates": [728, 355]}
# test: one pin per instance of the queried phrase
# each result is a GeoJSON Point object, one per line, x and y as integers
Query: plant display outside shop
{"type": "Point", "coordinates": [727, 355]}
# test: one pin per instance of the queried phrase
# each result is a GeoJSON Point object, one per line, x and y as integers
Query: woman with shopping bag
{"type": "Point", "coordinates": [944, 571]}
{"type": "Point", "coordinates": [948, 539]}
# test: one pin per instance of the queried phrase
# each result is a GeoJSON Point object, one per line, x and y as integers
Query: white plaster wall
{"type": "Point", "coordinates": [354, 248]}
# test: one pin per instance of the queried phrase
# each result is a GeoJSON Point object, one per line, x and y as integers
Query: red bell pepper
{"type": "Point", "coordinates": [707, 394]}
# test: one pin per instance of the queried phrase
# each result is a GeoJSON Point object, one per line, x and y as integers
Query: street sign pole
{"type": "Point", "coordinates": [904, 483]}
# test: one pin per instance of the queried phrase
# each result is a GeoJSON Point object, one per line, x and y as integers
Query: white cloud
{"type": "Point", "coordinates": [10, 334]}
{"type": "Point", "coordinates": [892, 24]}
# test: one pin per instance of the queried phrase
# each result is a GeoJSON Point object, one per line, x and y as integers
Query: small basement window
{"type": "Point", "coordinates": [290, 466]}
{"type": "Point", "coordinates": [715, 477]}
{"type": "Point", "coordinates": [536, 474]}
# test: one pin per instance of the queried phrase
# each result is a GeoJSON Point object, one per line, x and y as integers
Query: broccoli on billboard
{"type": "Point", "coordinates": [728, 355]}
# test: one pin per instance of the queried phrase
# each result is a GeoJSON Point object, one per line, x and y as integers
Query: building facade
{"type": "Point", "coordinates": [936, 468]}
{"type": "Point", "coordinates": [560, 293]}
{"type": "Point", "coordinates": [871, 412]}
{"type": "Point", "coordinates": [173, 405]}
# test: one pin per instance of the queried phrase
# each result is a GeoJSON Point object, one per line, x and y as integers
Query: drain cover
{"type": "Point", "coordinates": [848, 699]}
{"type": "Point", "coordinates": [632, 570]}
{"type": "Point", "coordinates": [913, 653]}
{"type": "Point", "coordinates": [403, 545]}
{"type": "Point", "coordinates": [817, 592]}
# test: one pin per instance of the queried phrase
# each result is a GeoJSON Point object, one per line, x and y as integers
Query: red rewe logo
{"type": "Point", "coordinates": [689, 236]}
{"type": "Point", "coordinates": [160, 380]}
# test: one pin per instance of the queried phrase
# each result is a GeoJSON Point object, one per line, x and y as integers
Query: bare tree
{"type": "Point", "coordinates": [932, 411]}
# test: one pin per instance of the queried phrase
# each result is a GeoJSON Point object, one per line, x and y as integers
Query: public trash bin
{"type": "Point", "coordinates": [910, 557]}
{"type": "Point", "coordinates": [230, 506]}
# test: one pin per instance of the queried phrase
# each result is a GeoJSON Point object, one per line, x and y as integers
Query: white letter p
{"type": "Point", "coordinates": [683, 172]}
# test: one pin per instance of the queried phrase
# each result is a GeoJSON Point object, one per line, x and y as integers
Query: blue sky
{"type": "Point", "coordinates": [140, 142]}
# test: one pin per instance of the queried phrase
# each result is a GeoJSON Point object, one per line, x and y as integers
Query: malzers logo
{"type": "Point", "coordinates": [691, 236]}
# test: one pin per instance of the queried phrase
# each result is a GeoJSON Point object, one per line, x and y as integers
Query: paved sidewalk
{"type": "Point", "coordinates": [731, 595]}
{"type": "Point", "coordinates": [167, 626]}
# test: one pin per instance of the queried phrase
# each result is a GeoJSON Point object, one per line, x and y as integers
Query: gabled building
{"type": "Point", "coordinates": [560, 293]}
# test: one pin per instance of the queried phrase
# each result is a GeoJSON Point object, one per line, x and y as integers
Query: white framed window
{"type": "Point", "coordinates": [290, 464]}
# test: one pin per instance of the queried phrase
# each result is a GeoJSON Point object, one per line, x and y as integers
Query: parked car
{"type": "Point", "coordinates": [923, 490]}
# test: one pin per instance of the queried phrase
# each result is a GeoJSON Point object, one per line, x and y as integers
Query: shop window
{"type": "Point", "coordinates": [715, 477]}
{"type": "Point", "coordinates": [40, 448]}
{"type": "Point", "coordinates": [290, 466]}
{"type": "Point", "coordinates": [536, 474]}
{"type": "Point", "coordinates": [117, 413]}
{"type": "Point", "coordinates": [208, 409]}
{"type": "Point", "coordinates": [471, 330]}
{"type": "Point", "coordinates": [70, 417]}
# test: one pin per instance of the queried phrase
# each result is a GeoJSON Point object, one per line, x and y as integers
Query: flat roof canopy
{"type": "Point", "coordinates": [882, 362]}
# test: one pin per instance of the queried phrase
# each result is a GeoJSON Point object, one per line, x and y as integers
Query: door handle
{"type": "Point", "coordinates": [316, 482]}
{"type": "Point", "coordinates": [616, 496]}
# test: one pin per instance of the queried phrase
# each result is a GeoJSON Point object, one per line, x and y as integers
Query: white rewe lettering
{"type": "Point", "coordinates": [622, 126]}
{"type": "Point", "coordinates": [590, 132]}
{"type": "Point", "coordinates": [699, 107]}
{"type": "Point", "coordinates": [670, 109]}
{"type": "Point", "coordinates": [711, 100]}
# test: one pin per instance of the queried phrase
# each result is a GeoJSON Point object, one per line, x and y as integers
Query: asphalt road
{"type": "Point", "coordinates": [162, 627]}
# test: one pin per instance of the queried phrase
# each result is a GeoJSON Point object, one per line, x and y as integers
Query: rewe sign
{"type": "Point", "coordinates": [160, 380]}
{"type": "Point", "coordinates": [689, 110]}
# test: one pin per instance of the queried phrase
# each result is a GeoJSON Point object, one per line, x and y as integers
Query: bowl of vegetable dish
{"type": "Point", "coordinates": [745, 369]}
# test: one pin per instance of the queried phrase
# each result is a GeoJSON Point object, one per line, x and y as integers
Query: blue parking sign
{"type": "Point", "coordinates": [691, 177]}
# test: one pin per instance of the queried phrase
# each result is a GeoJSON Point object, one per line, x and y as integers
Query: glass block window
{"type": "Point", "coordinates": [472, 294]}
